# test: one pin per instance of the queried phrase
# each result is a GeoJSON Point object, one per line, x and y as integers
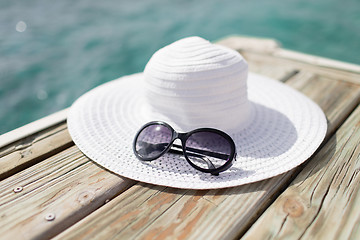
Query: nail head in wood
{"type": "Point", "coordinates": [50, 217]}
{"type": "Point", "coordinates": [18, 189]}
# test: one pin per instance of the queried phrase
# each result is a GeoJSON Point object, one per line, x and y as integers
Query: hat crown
{"type": "Point", "coordinates": [195, 83]}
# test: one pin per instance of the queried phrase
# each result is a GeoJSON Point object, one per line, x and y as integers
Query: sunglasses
{"type": "Point", "coordinates": [206, 149]}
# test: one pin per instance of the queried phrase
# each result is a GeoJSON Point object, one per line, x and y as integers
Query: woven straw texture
{"type": "Point", "coordinates": [285, 128]}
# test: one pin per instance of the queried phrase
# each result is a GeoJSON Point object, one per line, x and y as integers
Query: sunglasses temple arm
{"type": "Point", "coordinates": [180, 152]}
{"type": "Point", "coordinates": [208, 153]}
{"type": "Point", "coordinates": [204, 158]}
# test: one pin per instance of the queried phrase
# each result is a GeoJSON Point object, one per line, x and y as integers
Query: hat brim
{"type": "Point", "coordinates": [285, 130]}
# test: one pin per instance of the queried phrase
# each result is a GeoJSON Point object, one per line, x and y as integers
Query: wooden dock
{"type": "Point", "coordinates": [48, 188]}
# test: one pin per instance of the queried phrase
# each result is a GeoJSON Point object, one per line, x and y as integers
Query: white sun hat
{"type": "Point", "coordinates": [191, 84]}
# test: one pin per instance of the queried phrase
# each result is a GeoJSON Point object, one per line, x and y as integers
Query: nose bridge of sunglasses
{"type": "Point", "coordinates": [181, 136]}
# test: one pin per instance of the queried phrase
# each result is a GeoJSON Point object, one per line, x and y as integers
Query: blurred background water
{"type": "Point", "coordinates": [51, 52]}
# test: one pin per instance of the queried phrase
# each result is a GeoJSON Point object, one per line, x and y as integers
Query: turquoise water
{"type": "Point", "coordinates": [51, 52]}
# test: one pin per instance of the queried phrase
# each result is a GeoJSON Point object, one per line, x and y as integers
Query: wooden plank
{"type": "Point", "coordinates": [317, 61]}
{"type": "Point", "coordinates": [28, 151]}
{"type": "Point", "coordinates": [273, 60]}
{"type": "Point", "coordinates": [269, 50]}
{"type": "Point", "coordinates": [32, 128]}
{"type": "Point", "coordinates": [67, 184]}
{"type": "Point", "coordinates": [127, 213]}
{"type": "Point", "coordinates": [139, 209]}
{"type": "Point", "coordinates": [205, 214]}
{"type": "Point", "coordinates": [323, 202]}
{"type": "Point", "coordinates": [239, 43]}
{"type": "Point", "coordinates": [274, 71]}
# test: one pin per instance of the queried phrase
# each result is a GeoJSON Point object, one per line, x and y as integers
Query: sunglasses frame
{"type": "Point", "coordinates": [183, 138]}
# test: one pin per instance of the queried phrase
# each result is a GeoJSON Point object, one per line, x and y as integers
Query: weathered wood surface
{"type": "Point", "coordinates": [66, 183]}
{"type": "Point", "coordinates": [323, 202]}
{"type": "Point", "coordinates": [30, 150]}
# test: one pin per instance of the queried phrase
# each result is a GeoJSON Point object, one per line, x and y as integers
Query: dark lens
{"type": "Point", "coordinates": [152, 141]}
{"type": "Point", "coordinates": [207, 150]}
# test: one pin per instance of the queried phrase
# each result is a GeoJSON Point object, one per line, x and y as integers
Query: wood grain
{"type": "Point", "coordinates": [67, 184]}
{"type": "Point", "coordinates": [32, 149]}
{"type": "Point", "coordinates": [137, 208]}
{"type": "Point", "coordinates": [204, 214]}
{"type": "Point", "coordinates": [323, 202]}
